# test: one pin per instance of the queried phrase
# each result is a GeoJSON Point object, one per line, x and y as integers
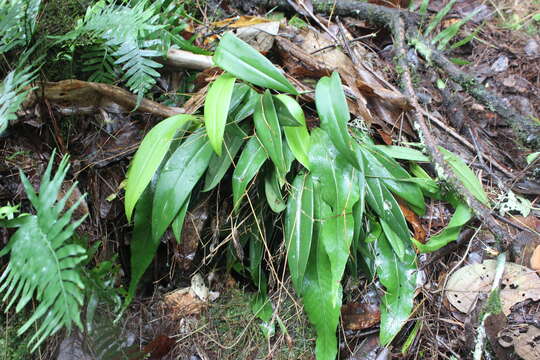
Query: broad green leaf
{"type": "Point", "coordinates": [398, 244]}
{"type": "Point", "coordinates": [269, 132]}
{"type": "Point", "coordinates": [252, 158]}
{"type": "Point", "coordinates": [288, 110]}
{"type": "Point", "coordinates": [239, 95]}
{"type": "Point", "coordinates": [297, 136]}
{"type": "Point", "coordinates": [272, 190]}
{"type": "Point", "coordinates": [178, 222]}
{"type": "Point", "coordinates": [247, 107]}
{"type": "Point", "coordinates": [398, 276]}
{"type": "Point", "coordinates": [402, 153]}
{"type": "Point", "coordinates": [323, 312]}
{"type": "Point", "coordinates": [148, 158]}
{"type": "Point", "coordinates": [177, 178]}
{"type": "Point", "coordinates": [383, 203]}
{"type": "Point", "coordinates": [393, 175]}
{"type": "Point", "coordinates": [219, 165]}
{"type": "Point", "coordinates": [299, 228]}
{"type": "Point", "coordinates": [337, 181]}
{"type": "Point", "coordinates": [216, 108]}
{"type": "Point", "coordinates": [334, 113]}
{"type": "Point", "coordinates": [143, 246]}
{"type": "Point", "coordinates": [465, 175]}
{"type": "Point", "coordinates": [240, 59]}
{"type": "Point", "coordinates": [426, 183]}
{"type": "Point", "coordinates": [450, 233]}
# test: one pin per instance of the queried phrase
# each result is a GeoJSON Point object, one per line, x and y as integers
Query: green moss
{"type": "Point", "coordinates": [493, 304]}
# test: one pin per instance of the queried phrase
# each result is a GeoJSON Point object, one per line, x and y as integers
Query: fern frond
{"type": "Point", "coordinates": [17, 22]}
{"type": "Point", "coordinates": [129, 31]}
{"type": "Point", "coordinates": [99, 61]}
{"type": "Point", "coordinates": [13, 91]}
{"type": "Point", "coordinates": [42, 263]}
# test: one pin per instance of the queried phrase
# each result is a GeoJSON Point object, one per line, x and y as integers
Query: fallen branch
{"type": "Point", "coordinates": [442, 166]}
{"type": "Point", "coordinates": [75, 96]}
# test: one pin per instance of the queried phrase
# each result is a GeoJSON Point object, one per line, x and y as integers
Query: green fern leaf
{"type": "Point", "coordinates": [42, 263]}
{"type": "Point", "coordinates": [99, 61]}
{"type": "Point", "coordinates": [13, 91]}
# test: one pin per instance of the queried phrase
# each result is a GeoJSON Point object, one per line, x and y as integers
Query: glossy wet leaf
{"type": "Point", "coordinates": [465, 175]}
{"type": "Point", "coordinates": [299, 222]}
{"type": "Point", "coordinates": [218, 166]}
{"type": "Point", "coordinates": [252, 158]}
{"type": "Point", "coordinates": [247, 107]}
{"type": "Point", "coordinates": [395, 178]}
{"type": "Point", "coordinates": [288, 110]}
{"type": "Point", "coordinates": [268, 131]}
{"type": "Point", "coordinates": [239, 95]}
{"type": "Point", "coordinates": [143, 246]}
{"type": "Point", "coordinates": [297, 137]}
{"type": "Point", "coordinates": [240, 59]}
{"type": "Point", "coordinates": [148, 157]}
{"type": "Point", "coordinates": [337, 181]}
{"type": "Point", "coordinates": [381, 200]}
{"type": "Point", "coordinates": [178, 222]}
{"type": "Point", "coordinates": [321, 308]}
{"type": "Point", "coordinates": [398, 276]}
{"type": "Point", "coordinates": [216, 109]}
{"type": "Point", "coordinates": [272, 190]}
{"type": "Point", "coordinates": [334, 113]}
{"type": "Point", "coordinates": [461, 216]}
{"type": "Point", "coordinates": [402, 153]}
{"type": "Point", "coordinates": [177, 178]}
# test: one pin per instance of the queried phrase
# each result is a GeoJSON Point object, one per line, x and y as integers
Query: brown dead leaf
{"type": "Point", "coordinates": [531, 222]}
{"type": "Point", "coordinates": [241, 21]}
{"type": "Point", "coordinates": [183, 302]}
{"type": "Point", "coordinates": [535, 259]}
{"type": "Point", "coordinates": [414, 220]}
{"type": "Point", "coordinates": [468, 284]}
{"type": "Point", "coordinates": [390, 3]}
{"type": "Point", "coordinates": [260, 36]}
{"type": "Point", "coordinates": [525, 340]}
{"type": "Point", "coordinates": [359, 316]}
{"type": "Point", "coordinates": [390, 97]}
{"type": "Point", "coordinates": [385, 136]}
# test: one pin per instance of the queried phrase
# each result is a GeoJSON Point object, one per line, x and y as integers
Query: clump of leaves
{"type": "Point", "coordinates": [332, 190]}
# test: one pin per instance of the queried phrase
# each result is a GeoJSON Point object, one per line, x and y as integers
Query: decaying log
{"type": "Point", "coordinates": [75, 96]}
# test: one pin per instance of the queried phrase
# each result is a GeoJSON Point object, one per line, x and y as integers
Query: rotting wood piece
{"type": "Point", "coordinates": [76, 96]}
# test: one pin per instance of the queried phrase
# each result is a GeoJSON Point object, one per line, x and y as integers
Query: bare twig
{"type": "Point", "coordinates": [445, 171]}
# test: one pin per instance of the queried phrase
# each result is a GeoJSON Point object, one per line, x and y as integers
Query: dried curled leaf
{"type": "Point", "coordinates": [470, 282]}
